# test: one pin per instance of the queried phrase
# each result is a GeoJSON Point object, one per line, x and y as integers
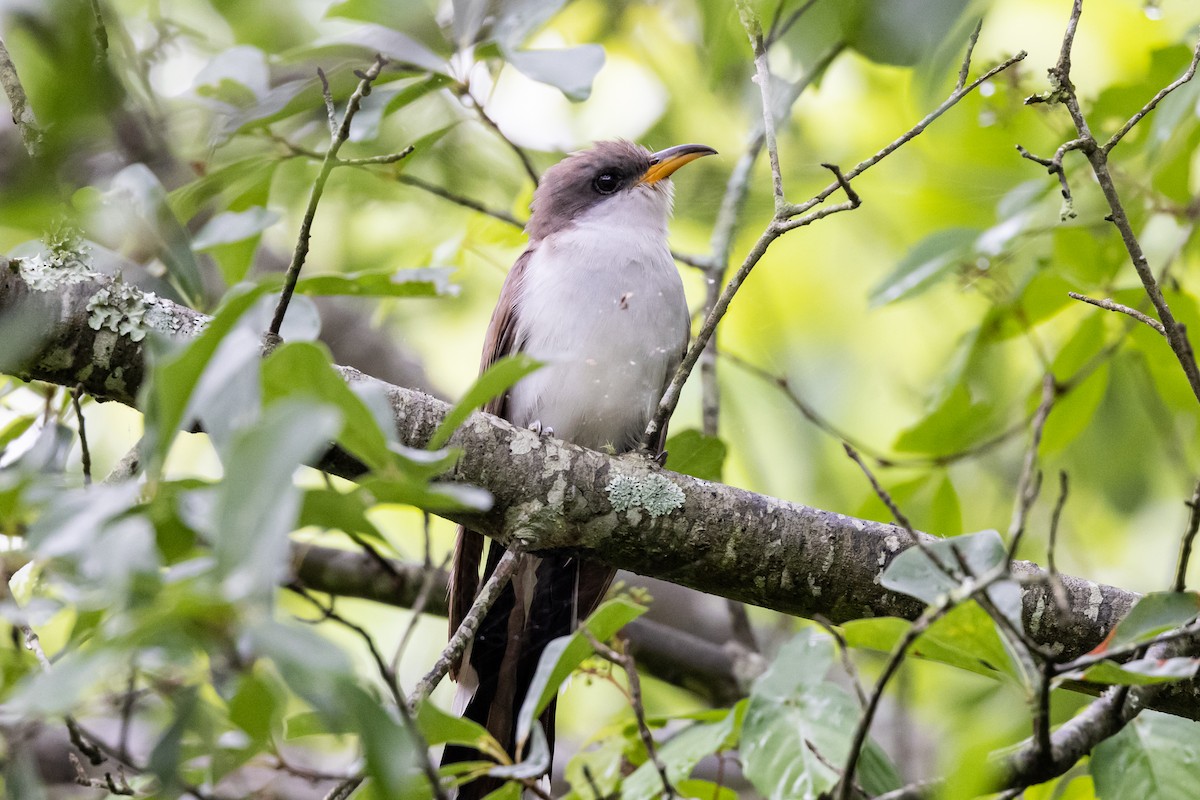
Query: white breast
{"type": "Point", "coordinates": [603, 306]}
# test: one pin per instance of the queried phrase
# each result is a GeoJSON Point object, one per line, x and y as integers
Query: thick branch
{"type": "Point", "coordinates": [554, 496]}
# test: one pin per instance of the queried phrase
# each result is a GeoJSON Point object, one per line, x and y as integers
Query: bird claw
{"type": "Point", "coordinates": [545, 432]}
{"type": "Point", "coordinates": [661, 458]}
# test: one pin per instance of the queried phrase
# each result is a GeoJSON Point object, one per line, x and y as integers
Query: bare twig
{"type": "Point", "coordinates": [1030, 483]}
{"type": "Point", "coordinates": [964, 71]}
{"type": "Point", "coordinates": [784, 221]}
{"type": "Point", "coordinates": [898, 515]}
{"type": "Point", "coordinates": [1110, 305]}
{"type": "Point", "coordinates": [1189, 536]}
{"type": "Point", "coordinates": [465, 202]}
{"type": "Point", "coordinates": [486, 119]}
{"type": "Point", "coordinates": [847, 662]}
{"type": "Point", "coordinates": [1154, 101]}
{"type": "Point", "coordinates": [1056, 587]}
{"type": "Point", "coordinates": [466, 630]}
{"type": "Point", "coordinates": [85, 455]}
{"type": "Point", "coordinates": [626, 662]}
{"type": "Point", "coordinates": [1063, 91]}
{"type": "Point", "coordinates": [330, 160]}
{"type": "Point", "coordinates": [22, 114]}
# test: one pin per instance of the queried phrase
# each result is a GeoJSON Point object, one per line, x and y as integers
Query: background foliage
{"type": "Point", "coordinates": [180, 139]}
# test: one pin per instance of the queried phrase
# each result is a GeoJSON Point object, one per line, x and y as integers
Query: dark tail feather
{"type": "Point", "coordinates": [545, 599]}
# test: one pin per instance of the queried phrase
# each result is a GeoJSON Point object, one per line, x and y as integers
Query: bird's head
{"type": "Point", "coordinates": [618, 181]}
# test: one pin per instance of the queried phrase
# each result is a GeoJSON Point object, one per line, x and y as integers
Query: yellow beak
{"type": "Point", "coordinates": [665, 162]}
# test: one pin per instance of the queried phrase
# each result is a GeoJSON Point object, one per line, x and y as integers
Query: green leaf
{"type": "Point", "coordinates": [914, 574]}
{"type": "Point", "coordinates": [1154, 614]}
{"type": "Point", "coordinates": [439, 496]}
{"type": "Point", "coordinates": [929, 260]}
{"type": "Point", "coordinates": [957, 423]}
{"type": "Point", "coordinates": [257, 502]}
{"type": "Point", "coordinates": [899, 32]}
{"type": "Point", "coordinates": [1155, 755]}
{"type": "Point", "coordinates": [233, 180]}
{"type": "Point", "coordinates": [792, 711]}
{"type": "Point", "coordinates": [304, 370]}
{"type": "Point", "coordinates": [570, 70]}
{"type": "Point", "coordinates": [693, 453]}
{"type": "Point", "coordinates": [136, 191]}
{"type": "Point", "coordinates": [234, 226]}
{"type": "Point", "coordinates": [343, 511]}
{"type": "Point", "coordinates": [257, 704]}
{"type": "Point", "coordinates": [418, 282]}
{"type": "Point", "coordinates": [1139, 672]}
{"type": "Point", "coordinates": [498, 379]}
{"type": "Point", "coordinates": [438, 727]}
{"type": "Point", "coordinates": [565, 653]}
{"type": "Point", "coordinates": [175, 372]}
{"type": "Point", "coordinates": [683, 751]}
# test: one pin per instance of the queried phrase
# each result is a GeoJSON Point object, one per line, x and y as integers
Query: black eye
{"type": "Point", "coordinates": [606, 183]}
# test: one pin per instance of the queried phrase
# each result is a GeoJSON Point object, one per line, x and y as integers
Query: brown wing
{"type": "Point", "coordinates": [501, 340]}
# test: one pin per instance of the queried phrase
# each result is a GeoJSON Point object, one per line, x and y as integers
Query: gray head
{"type": "Point", "coordinates": [610, 173]}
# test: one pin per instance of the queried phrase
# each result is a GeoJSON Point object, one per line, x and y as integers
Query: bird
{"type": "Point", "coordinates": [597, 299]}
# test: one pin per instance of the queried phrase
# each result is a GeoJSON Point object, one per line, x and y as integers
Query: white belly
{"type": "Point", "coordinates": [609, 320]}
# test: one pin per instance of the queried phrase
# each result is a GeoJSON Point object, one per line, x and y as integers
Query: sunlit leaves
{"type": "Point", "coordinates": [797, 723]}
{"type": "Point", "coordinates": [695, 454]}
{"type": "Point", "coordinates": [1155, 755]}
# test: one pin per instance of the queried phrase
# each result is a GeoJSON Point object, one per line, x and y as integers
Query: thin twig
{"type": "Point", "coordinates": [330, 108]}
{"type": "Point", "coordinates": [774, 230]}
{"type": "Point", "coordinates": [526, 162]}
{"type": "Point", "coordinates": [898, 515]}
{"type": "Point", "coordinates": [964, 71]}
{"type": "Point", "coordinates": [85, 455]}
{"type": "Point", "coordinates": [1056, 585]}
{"type": "Point", "coordinates": [847, 662]}
{"type": "Point", "coordinates": [1110, 305]}
{"type": "Point", "coordinates": [1030, 483]}
{"type": "Point", "coordinates": [1189, 535]}
{"type": "Point", "coordinates": [337, 138]}
{"type": "Point", "coordinates": [1063, 91]}
{"type": "Point", "coordinates": [22, 114]}
{"type": "Point", "coordinates": [344, 789]}
{"type": "Point", "coordinates": [465, 202]}
{"type": "Point", "coordinates": [467, 628]}
{"type": "Point", "coordinates": [778, 30]}
{"type": "Point", "coordinates": [931, 615]}
{"type": "Point", "coordinates": [1154, 101]}
{"type": "Point", "coordinates": [626, 662]}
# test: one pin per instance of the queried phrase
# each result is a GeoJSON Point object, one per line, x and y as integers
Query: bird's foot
{"type": "Point", "coordinates": [545, 432]}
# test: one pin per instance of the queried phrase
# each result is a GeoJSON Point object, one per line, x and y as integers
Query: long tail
{"type": "Point", "coordinates": [545, 599]}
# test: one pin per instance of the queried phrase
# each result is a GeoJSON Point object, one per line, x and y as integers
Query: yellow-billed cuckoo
{"type": "Point", "coordinates": [596, 297]}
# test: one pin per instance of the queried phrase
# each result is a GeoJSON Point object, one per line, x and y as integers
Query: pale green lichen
{"type": "Point", "coordinates": [120, 308]}
{"type": "Point", "coordinates": [653, 493]}
{"type": "Point", "coordinates": [65, 262]}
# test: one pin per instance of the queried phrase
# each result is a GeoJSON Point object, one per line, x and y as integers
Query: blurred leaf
{"type": "Point", "coordinates": [792, 712]}
{"type": "Point", "coordinates": [257, 705]}
{"type": "Point", "coordinates": [234, 226]}
{"type": "Point", "coordinates": [495, 381]}
{"type": "Point", "coordinates": [175, 373]}
{"type": "Point", "coordinates": [419, 282]}
{"type": "Point", "coordinates": [1139, 672]}
{"type": "Point", "coordinates": [136, 191]}
{"type": "Point", "coordinates": [565, 653]}
{"type": "Point", "coordinates": [955, 425]}
{"type": "Point", "coordinates": [1154, 614]}
{"type": "Point", "coordinates": [570, 70]}
{"type": "Point", "coordinates": [257, 502]}
{"type": "Point", "coordinates": [945, 512]}
{"type": "Point", "coordinates": [1155, 755]}
{"type": "Point", "coordinates": [233, 180]}
{"type": "Point", "coordinates": [1074, 412]}
{"type": "Point", "coordinates": [693, 453]}
{"type": "Point", "coordinates": [304, 370]}
{"type": "Point", "coordinates": [929, 260]}
{"type": "Point", "coordinates": [901, 32]}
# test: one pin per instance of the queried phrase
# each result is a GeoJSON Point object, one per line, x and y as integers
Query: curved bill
{"type": "Point", "coordinates": [665, 162]}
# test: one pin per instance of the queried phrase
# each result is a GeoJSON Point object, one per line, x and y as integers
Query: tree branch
{"type": "Point", "coordinates": [554, 496]}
